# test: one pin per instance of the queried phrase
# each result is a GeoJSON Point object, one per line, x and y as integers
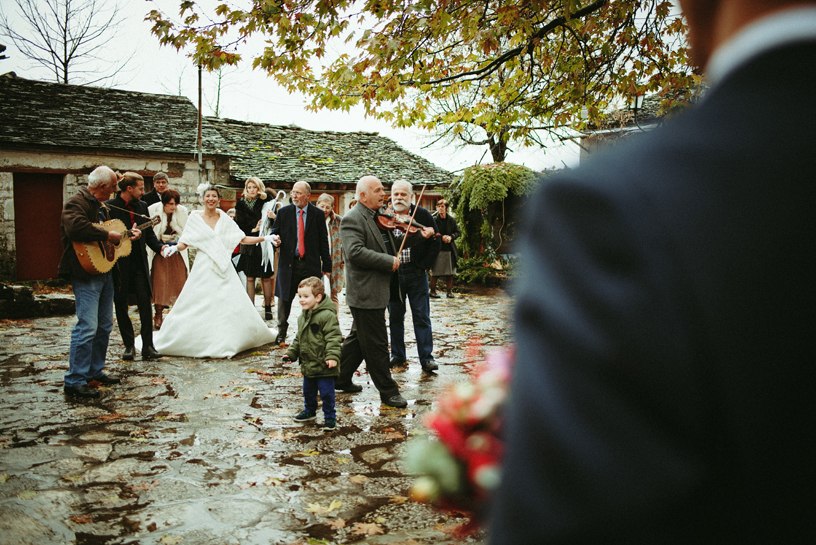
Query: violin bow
{"type": "Point", "coordinates": [419, 200]}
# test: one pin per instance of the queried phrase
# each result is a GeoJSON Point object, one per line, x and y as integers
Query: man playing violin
{"type": "Point", "coordinates": [133, 268]}
{"type": "Point", "coordinates": [412, 282]}
{"type": "Point", "coordinates": [370, 264]}
{"type": "Point", "coordinates": [93, 295]}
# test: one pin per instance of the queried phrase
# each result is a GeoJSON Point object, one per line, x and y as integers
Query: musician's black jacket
{"type": "Point", "coordinates": [118, 210]}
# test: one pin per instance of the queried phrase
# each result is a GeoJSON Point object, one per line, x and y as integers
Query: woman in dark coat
{"type": "Point", "coordinates": [248, 217]}
{"type": "Point", "coordinates": [446, 262]}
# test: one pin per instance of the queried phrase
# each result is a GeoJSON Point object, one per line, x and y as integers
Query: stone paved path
{"type": "Point", "coordinates": [190, 451]}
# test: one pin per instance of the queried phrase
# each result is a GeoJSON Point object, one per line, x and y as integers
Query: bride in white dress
{"type": "Point", "coordinates": [212, 318]}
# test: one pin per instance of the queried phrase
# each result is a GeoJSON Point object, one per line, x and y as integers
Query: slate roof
{"type": "Point", "coordinates": [44, 115]}
{"type": "Point", "coordinates": [284, 154]}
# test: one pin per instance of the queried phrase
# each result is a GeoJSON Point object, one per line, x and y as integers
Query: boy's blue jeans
{"type": "Point", "coordinates": [89, 338]}
{"type": "Point", "coordinates": [324, 385]}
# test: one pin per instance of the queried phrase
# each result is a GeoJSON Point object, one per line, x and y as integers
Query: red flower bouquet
{"type": "Point", "coordinates": [459, 463]}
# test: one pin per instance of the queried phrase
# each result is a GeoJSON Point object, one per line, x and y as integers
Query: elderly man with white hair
{"type": "Point", "coordinates": [413, 284]}
{"type": "Point", "coordinates": [371, 263]}
{"type": "Point", "coordinates": [93, 294]}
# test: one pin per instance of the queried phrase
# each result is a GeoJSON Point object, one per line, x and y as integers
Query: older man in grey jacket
{"type": "Point", "coordinates": [371, 261]}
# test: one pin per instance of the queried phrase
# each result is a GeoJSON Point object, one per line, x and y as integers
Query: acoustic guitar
{"type": "Point", "coordinates": [100, 256]}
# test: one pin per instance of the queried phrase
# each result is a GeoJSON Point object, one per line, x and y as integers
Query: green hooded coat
{"type": "Point", "coordinates": [318, 339]}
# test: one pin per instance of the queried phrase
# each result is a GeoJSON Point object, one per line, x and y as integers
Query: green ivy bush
{"type": "Point", "coordinates": [484, 200]}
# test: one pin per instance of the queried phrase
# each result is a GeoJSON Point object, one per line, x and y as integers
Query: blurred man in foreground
{"type": "Point", "coordinates": [665, 367]}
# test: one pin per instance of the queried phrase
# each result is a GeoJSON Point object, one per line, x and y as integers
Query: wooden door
{"type": "Point", "coordinates": [37, 211]}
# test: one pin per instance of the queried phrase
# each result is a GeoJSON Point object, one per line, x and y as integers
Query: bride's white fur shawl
{"type": "Point", "coordinates": [216, 244]}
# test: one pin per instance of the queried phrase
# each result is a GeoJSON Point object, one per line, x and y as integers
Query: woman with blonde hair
{"type": "Point", "coordinates": [248, 211]}
{"type": "Point", "coordinates": [167, 275]}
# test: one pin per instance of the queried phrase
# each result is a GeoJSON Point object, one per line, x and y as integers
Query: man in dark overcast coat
{"type": "Point", "coordinates": [292, 265]}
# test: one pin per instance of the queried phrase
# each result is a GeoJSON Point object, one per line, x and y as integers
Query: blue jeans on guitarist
{"type": "Point", "coordinates": [89, 338]}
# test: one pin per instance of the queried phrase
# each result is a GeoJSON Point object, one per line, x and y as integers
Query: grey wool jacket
{"type": "Point", "coordinates": [368, 263]}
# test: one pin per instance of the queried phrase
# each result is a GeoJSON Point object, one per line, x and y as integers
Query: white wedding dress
{"type": "Point", "coordinates": [213, 317]}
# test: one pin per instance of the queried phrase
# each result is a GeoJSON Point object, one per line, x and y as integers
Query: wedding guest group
{"type": "Point", "coordinates": [93, 294]}
{"type": "Point", "coordinates": [411, 283]}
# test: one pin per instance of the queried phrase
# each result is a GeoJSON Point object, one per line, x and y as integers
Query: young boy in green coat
{"type": "Point", "coordinates": [317, 346]}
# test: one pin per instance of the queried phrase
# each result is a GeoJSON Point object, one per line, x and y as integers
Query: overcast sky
{"type": "Point", "coordinates": [251, 96]}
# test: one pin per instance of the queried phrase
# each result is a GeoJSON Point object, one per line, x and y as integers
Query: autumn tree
{"type": "Point", "coordinates": [487, 72]}
{"type": "Point", "coordinates": [70, 38]}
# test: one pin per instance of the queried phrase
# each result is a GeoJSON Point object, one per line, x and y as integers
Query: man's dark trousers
{"type": "Point", "coordinates": [139, 285]}
{"type": "Point", "coordinates": [299, 272]}
{"type": "Point", "coordinates": [414, 286]}
{"type": "Point", "coordinates": [368, 340]}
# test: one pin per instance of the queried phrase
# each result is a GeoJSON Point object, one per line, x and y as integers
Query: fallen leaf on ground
{"type": "Point", "coordinates": [398, 499]}
{"type": "Point", "coordinates": [394, 435]}
{"type": "Point", "coordinates": [358, 479]}
{"type": "Point", "coordinates": [337, 524]}
{"type": "Point", "coordinates": [366, 529]}
{"type": "Point", "coordinates": [310, 452]}
{"type": "Point", "coordinates": [144, 485]}
{"type": "Point", "coordinates": [139, 433]}
{"type": "Point", "coordinates": [170, 540]}
{"type": "Point", "coordinates": [453, 529]}
{"type": "Point", "coordinates": [246, 485]}
{"type": "Point", "coordinates": [318, 509]}
{"type": "Point", "coordinates": [158, 380]}
{"type": "Point", "coordinates": [273, 481]}
{"type": "Point", "coordinates": [343, 460]}
{"type": "Point", "coordinates": [81, 519]}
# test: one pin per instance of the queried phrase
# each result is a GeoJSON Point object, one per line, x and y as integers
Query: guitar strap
{"type": "Point", "coordinates": [129, 211]}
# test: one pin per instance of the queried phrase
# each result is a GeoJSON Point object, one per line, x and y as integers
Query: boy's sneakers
{"type": "Point", "coordinates": [304, 416]}
{"type": "Point", "coordinates": [330, 424]}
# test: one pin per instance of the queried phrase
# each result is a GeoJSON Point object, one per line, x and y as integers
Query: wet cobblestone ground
{"type": "Point", "coordinates": [192, 451]}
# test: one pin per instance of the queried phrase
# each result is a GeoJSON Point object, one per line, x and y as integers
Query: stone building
{"type": "Point", "coordinates": [52, 135]}
{"type": "Point", "coordinates": [331, 162]}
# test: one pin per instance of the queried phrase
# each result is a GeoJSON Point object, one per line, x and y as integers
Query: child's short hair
{"type": "Point", "coordinates": [315, 283]}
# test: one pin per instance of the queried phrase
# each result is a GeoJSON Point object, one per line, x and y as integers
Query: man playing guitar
{"type": "Point", "coordinates": [93, 293]}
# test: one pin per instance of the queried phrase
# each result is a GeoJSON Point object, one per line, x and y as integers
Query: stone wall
{"type": "Point", "coordinates": [7, 240]}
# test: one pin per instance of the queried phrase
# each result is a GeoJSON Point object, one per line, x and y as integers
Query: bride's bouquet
{"type": "Point", "coordinates": [460, 463]}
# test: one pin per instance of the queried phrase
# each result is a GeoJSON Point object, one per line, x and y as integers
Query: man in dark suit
{"type": "Point", "coordinates": [663, 388]}
{"type": "Point", "coordinates": [93, 294]}
{"type": "Point", "coordinates": [133, 268]}
{"type": "Point", "coordinates": [370, 266]}
{"type": "Point", "coordinates": [303, 242]}
{"type": "Point", "coordinates": [160, 184]}
{"type": "Point", "coordinates": [412, 283]}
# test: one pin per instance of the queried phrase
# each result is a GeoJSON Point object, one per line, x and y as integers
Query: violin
{"type": "Point", "coordinates": [387, 220]}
